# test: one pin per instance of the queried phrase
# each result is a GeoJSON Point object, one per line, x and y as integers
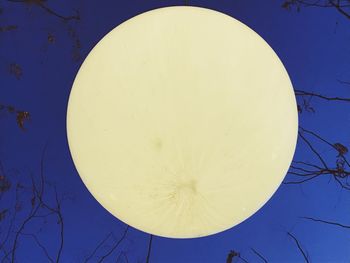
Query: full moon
{"type": "Point", "coordinates": [182, 122]}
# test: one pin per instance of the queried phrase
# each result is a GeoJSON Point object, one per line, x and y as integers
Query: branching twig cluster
{"type": "Point", "coordinates": [302, 93]}
{"type": "Point", "coordinates": [307, 96]}
{"type": "Point", "coordinates": [342, 6]}
{"type": "Point", "coordinates": [16, 69]}
{"type": "Point", "coordinates": [338, 168]}
{"type": "Point", "coordinates": [110, 248]}
{"type": "Point", "coordinates": [22, 223]}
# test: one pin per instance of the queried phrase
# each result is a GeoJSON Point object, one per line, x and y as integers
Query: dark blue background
{"type": "Point", "coordinates": [314, 47]}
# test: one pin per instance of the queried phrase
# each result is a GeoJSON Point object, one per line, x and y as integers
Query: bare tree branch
{"type": "Point", "coordinates": [98, 247]}
{"type": "Point", "coordinates": [43, 248]}
{"type": "Point", "coordinates": [326, 222]}
{"type": "Point", "coordinates": [299, 247]}
{"type": "Point", "coordinates": [52, 12]}
{"type": "Point", "coordinates": [39, 209]}
{"type": "Point", "coordinates": [340, 9]}
{"type": "Point", "coordinates": [10, 228]}
{"type": "Point", "coordinates": [302, 181]}
{"type": "Point", "coordinates": [33, 211]}
{"type": "Point", "coordinates": [243, 259]}
{"type": "Point", "coordinates": [339, 170]}
{"type": "Point", "coordinates": [40, 3]}
{"type": "Point", "coordinates": [341, 149]}
{"type": "Point", "coordinates": [61, 223]}
{"type": "Point", "coordinates": [320, 96]}
{"type": "Point", "coordinates": [124, 256]}
{"type": "Point", "coordinates": [341, 6]}
{"type": "Point", "coordinates": [232, 254]}
{"type": "Point", "coordinates": [259, 255]}
{"type": "Point", "coordinates": [149, 248]}
{"type": "Point", "coordinates": [115, 246]}
{"type": "Point", "coordinates": [343, 82]}
{"type": "Point", "coordinates": [314, 150]}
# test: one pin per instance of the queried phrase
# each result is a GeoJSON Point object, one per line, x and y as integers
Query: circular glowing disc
{"type": "Point", "coordinates": [182, 122]}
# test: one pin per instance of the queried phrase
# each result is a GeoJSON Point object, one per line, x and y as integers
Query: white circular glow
{"type": "Point", "coordinates": [182, 122]}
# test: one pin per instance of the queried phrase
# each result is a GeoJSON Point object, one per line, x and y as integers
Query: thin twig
{"type": "Point", "coordinates": [259, 255]}
{"type": "Point", "coordinates": [149, 249]}
{"type": "Point", "coordinates": [326, 222]}
{"type": "Point", "coordinates": [47, 9]}
{"type": "Point", "coordinates": [43, 248]}
{"type": "Point", "coordinates": [52, 12]}
{"type": "Point", "coordinates": [325, 141]}
{"type": "Point", "coordinates": [61, 223]}
{"type": "Point", "coordinates": [243, 259]}
{"type": "Point", "coordinates": [299, 247]}
{"type": "Point", "coordinates": [120, 255]}
{"type": "Point", "coordinates": [343, 82]}
{"type": "Point", "coordinates": [341, 184]}
{"type": "Point", "coordinates": [338, 5]}
{"type": "Point", "coordinates": [115, 246]}
{"type": "Point", "coordinates": [320, 96]}
{"type": "Point", "coordinates": [97, 248]}
{"type": "Point", "coordinates": [314, 150]}
{"type": "Point", "coordinates": [302, 181]}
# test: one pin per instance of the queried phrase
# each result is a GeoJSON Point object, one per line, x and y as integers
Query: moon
{"type": "Point", "coordinates": [182, 122]}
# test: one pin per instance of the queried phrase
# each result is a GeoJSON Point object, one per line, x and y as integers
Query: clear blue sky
{"type": "Point", "coordinates": [314, 46]}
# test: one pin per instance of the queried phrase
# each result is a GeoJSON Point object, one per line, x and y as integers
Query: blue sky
{"type": "Point", "coordinates": [314, 46]}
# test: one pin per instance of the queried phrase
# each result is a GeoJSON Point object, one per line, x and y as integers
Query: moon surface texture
{"type": "Point", "coordinates": [182, 122]}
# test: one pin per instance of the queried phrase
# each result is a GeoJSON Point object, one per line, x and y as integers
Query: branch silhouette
{"type": "Point", "coordinates": [98, 247]}
{"type": "Point", "coordinates": [342, 6]}
{"type": "Point", "coordinates": [149, 249]}
{"type": "Point", "coordinates": [234, 254]}
{"type": "Point", "coordinates": [39, 209]}
{"type": "Point", "coordinates": [42, 5]}
{"type": "Point", "coordinates": [259, 255]}
{"type": "Point", "coordinates": [302, 93]}
{"type": "Point", "coordinates": [114, 246]}
{"type": "Point", "coordinates": [339, 169]}
{"type": "Point", "coordinates": [303, 253]}
{"type": "Point", "coordinates": [326, 222]}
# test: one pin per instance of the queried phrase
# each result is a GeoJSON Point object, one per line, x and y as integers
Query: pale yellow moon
{"type": "Point", "coordinates": [182, 122]}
